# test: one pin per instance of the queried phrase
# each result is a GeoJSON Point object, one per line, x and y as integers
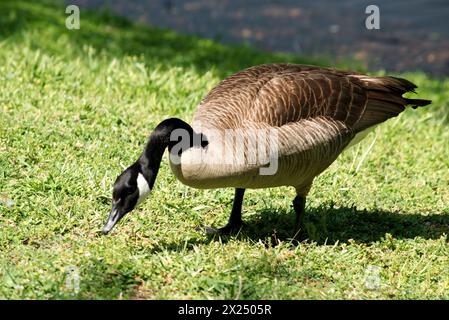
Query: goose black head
{"type": "Point", "coordinates": [136, 182]}
{"type": "Point", "coordinates": [130, 188]}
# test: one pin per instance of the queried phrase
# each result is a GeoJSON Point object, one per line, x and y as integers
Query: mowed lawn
{"type": "Point", "coordinates": [76, 108]}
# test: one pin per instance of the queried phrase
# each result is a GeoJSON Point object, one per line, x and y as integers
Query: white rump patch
{"type": "Point", "coordinates": [144, 188]}
{"type": "Point", "coordinates": [360, 136]}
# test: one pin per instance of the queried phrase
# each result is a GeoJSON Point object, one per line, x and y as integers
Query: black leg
{"type": "Point", "coordinates": [235, 220]}
{"type": "Point", "coordinates": [299, 204]}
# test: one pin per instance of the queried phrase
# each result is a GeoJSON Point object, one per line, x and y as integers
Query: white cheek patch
{"type": "Point", "coordinates": [144, 188]}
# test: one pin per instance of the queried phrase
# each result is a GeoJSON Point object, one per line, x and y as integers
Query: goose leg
{"type": "Point", "coordinates": [299, 204]}
{"type": "Point", "coordinates": [235, 220]}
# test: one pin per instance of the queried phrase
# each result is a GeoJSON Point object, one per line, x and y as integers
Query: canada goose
{"type": "Point", "coordinates": [313, 113]}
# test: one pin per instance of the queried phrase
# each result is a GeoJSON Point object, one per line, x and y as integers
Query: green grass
{"type": "Point", "coordinates": [77, 106]}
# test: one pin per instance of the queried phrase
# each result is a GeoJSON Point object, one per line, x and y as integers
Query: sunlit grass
{"type": "Point", "coordinates": [76, 107]}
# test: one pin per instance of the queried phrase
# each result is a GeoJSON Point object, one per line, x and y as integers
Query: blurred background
{"type": "Point", "coordinates": [412, 36]}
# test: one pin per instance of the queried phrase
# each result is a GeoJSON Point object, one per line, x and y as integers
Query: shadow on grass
{"type": "Point", "coordinates": [329, 225]}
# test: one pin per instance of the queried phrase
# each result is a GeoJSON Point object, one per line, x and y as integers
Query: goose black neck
{"type": "Point", "coordinates": [158, 141]}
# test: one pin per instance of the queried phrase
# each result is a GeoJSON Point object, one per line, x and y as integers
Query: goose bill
{"type": "Point", "coordinates": [114, 217]}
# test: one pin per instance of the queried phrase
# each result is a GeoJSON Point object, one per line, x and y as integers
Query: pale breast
{"type": "Point", "coordinates": [259, 156]}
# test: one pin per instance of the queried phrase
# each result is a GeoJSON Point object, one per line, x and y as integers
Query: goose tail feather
{"type": "Point", "coordinates": [415, 103]}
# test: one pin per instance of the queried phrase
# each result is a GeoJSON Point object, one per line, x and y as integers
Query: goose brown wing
{"type": "Point", "coordinates": [290, 97]}
{"type": "Point", "coordinates": [279, 94]}
{"type": "Point", "coordinates": [231, 102]}
{"type": "Point", "coordinates": [359, 101]}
